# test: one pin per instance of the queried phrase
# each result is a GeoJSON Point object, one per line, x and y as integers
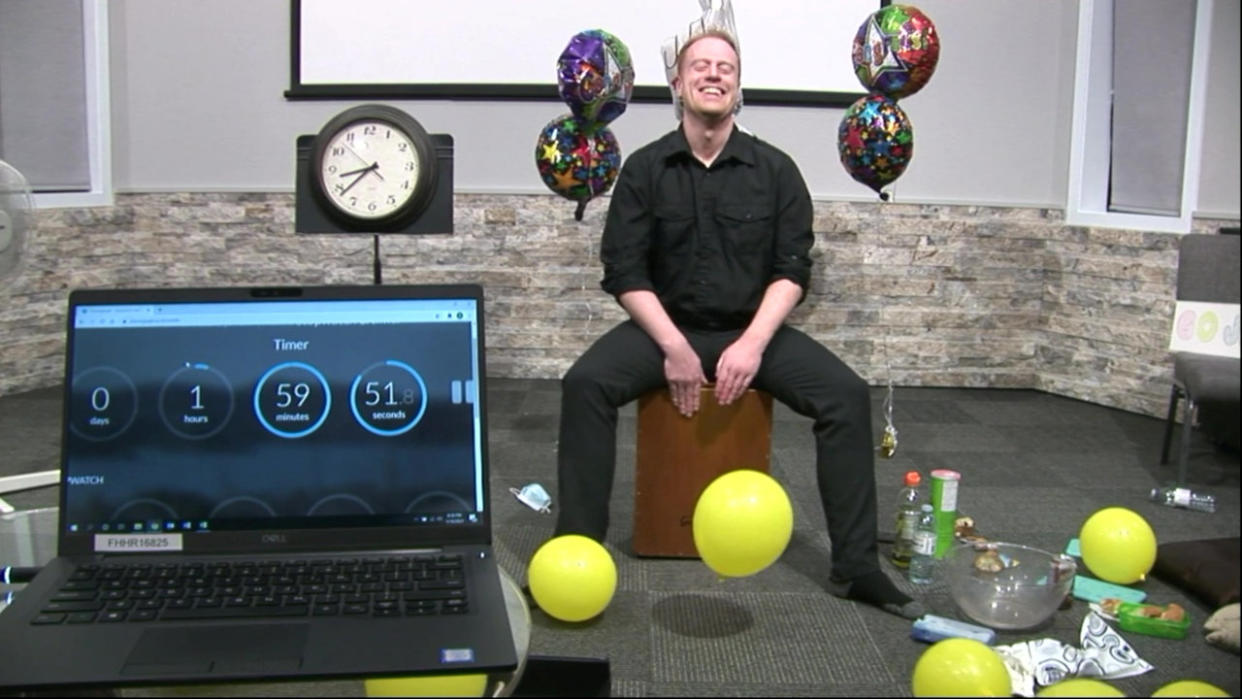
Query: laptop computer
{"type": "Point", "coordinates": [268, 483]}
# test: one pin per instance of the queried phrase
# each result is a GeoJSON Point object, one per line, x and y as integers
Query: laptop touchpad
{"type": "Point", "coordinates": [218, 650]}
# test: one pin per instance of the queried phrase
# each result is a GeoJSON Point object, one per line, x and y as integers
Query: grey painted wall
{"type": "Point", "coordinates": [1218, 179]}
{"type": "Point", "coordinates": [198, 105]}
{"type": "Point", "coordinates": [975, 295]}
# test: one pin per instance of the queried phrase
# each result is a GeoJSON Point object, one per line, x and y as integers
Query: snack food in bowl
{"type": "Point", "coordinates": [1007, 586]}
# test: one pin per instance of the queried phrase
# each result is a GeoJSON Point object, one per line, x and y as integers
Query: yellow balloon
{"type": "Point", "coordinates": [572, 577]}
{"type": "Point", "coordinates": [1189, 688]}
{"type": "Point", "coordinates": [1080, 687]}
{"type": "Point", "coordinates": [742, 523]}
{"type": "Point", "coordinates": [1118, 545]}
{"type": "Point", "coordinates": [427, 686]}
{"type": "Point", "coordinates": [960, 667]}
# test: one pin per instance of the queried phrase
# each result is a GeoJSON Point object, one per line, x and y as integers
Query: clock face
{"type": "Point", "coordinates": [370, 169]}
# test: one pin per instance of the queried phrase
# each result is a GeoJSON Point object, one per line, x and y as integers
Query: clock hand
{"type": "Point", "coordinates": [355, 153]}
{"type": "Point", "coordinates": [373, 167]}
{"type": "Point", "coordinates": [362, 174]}
{"type": "Point", "coordinates": [361, 169]}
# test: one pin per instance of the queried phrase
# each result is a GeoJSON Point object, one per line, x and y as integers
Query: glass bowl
{"type": "Point", "coordinates": [1007, 586]}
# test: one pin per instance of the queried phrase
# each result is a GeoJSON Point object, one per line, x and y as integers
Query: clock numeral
{"type": "Point", "coordinates": [378, 165]}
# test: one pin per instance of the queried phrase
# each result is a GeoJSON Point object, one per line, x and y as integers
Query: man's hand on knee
{"type": "Point", "coordinates": [685, 396]}
{"type": "Point", "coordinates": [735, 369]}
{"type": "Point", "coordinates": [684, 373]}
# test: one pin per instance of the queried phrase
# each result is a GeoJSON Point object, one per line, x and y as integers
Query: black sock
{"type": "Point", "coordinates": [876, 589]}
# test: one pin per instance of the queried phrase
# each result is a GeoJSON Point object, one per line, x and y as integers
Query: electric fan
{"type": "Point", "coordinates": [16, 221]}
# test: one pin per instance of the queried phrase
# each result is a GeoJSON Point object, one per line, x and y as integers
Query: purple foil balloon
{"type": "Point", "coordinates": [595, 76]}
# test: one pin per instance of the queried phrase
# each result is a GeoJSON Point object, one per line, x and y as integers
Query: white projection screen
{"type": "Point", "coordinates": [793, 51]}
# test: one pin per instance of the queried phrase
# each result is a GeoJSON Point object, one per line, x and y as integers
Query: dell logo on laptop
{"type": "Point", "coordinates": [274, 539]}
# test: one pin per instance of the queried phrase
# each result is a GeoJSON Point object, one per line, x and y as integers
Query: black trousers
{"type": "Point", "coordinates": [625, 363]}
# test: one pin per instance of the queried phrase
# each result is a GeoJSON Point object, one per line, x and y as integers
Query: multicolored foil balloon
{"type": "Point", "coordinates": [896, 50]}
{"type": "Point", "coordinates": [595, 76]}
{"type": "Point", "coordinates": [876, 141]}
{"type": "Point", "coordinates": [577, 161]}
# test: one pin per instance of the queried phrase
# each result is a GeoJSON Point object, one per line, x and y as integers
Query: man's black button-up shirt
{"type": "Point", "coordinates": [707, 240]}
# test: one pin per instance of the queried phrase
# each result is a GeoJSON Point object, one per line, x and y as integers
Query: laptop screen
{"type": "Point", "coordinates": [332, 409]}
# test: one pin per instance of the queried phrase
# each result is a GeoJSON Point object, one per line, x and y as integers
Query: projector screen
{"type": "Point", "coordinates": [793, 51]}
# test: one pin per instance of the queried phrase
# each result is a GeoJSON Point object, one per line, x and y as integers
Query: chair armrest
{"type": "Point", "coordinates": [26, 481]}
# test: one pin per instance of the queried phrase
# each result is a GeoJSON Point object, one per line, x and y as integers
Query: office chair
{"type": "Point", "coordinates": [1207, 270]}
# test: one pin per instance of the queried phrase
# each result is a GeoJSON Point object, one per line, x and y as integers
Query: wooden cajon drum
{"type": "Point", "coordinates": [677, 457]}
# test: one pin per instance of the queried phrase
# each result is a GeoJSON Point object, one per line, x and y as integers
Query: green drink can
{"type": "Point", "coordinates": [944, 505]}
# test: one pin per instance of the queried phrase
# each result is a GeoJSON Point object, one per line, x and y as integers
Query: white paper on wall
{"type": "Point", "coordinates": [1205, 328]}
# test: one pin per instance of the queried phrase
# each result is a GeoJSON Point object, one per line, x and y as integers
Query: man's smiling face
{"type": "Point", "coordinates": [707, 78]}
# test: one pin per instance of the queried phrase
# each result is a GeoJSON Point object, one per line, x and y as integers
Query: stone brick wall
{"type": "Point", "coordinates": [919, 295]}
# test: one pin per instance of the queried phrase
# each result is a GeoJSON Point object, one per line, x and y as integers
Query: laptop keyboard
{"type": "Point", "coordinates": [151, 592]}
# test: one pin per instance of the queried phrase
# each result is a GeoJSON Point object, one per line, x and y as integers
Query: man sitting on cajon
{"type": "Point", "coordinates": [707, 247]}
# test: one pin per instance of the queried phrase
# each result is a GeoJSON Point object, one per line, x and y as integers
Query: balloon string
{"type": "Point", "coordinates": [590, 309]}
{"type": "Point", "coordinates": [888, 443]}
{"type": "Point", "coordinates": [886, 196]}
{"type": "Point", "coordinates": [888, 404]}
{"type": "Point", "coordinates": [590, 166]}
{"type": "Point", "coordinates": [888, 397]}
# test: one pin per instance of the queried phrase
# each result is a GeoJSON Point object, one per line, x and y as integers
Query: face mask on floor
{"type": "Point", "coordinates": [535, 497]}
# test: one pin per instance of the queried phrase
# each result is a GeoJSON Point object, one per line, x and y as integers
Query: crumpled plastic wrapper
{"type": "Point", "coordinates": [717, 16]}
{"type": "Point", "coordinates": [1104, 655]}
{"type": "Point", "coordinates": [535, 497]}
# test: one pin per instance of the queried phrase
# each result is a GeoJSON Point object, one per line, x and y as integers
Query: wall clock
{"type": "Point", "coordinates": [373, 167]}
